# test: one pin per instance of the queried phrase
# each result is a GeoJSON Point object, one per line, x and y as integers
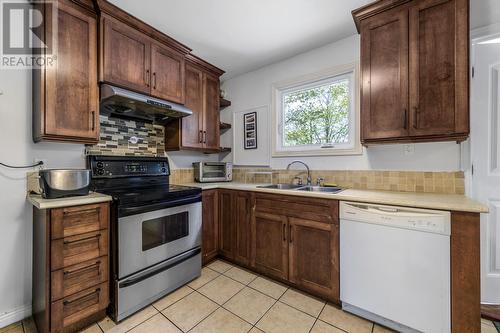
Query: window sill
{"type": "Point", "coordinates": [320, 152]}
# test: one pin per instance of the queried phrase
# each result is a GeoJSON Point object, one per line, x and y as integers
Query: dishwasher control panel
{"type": "Point", "coordinates": [398, 217]}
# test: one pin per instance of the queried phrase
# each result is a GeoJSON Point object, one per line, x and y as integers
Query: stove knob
{"type": "Point", "coordinates": [100, 165]}
{"type": "Point", "coordinates": [100, 172]}
{"type": "Point", "coordinates": [163, 170]}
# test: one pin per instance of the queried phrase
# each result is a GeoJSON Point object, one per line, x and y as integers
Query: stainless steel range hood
{"type": "Point", "coordinates": [122, 103]}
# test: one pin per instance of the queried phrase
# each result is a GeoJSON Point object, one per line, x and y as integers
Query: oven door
{"type": "Point", "coordinates": [149, 238]}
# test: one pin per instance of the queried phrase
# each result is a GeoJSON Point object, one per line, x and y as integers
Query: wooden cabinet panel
{"type": "Point", "coordinates": [384, 63]}
{"type": "Point", "coordinates": [77, 307]}
{"type": "Point", "coordinates": [210, 233]}
{"type": "Point", "coordinates": [314, 256]}
{"type": "Point", "coordinates": [192, 126]}
{"type": "Point", "coordinates": [66, 101]}
{"type": "Point", "coordinates": [76, 220]}
{"type": "Point", "coordinates": [73, 250]}
{"type": "Point", "coordinates": [270, 245]}
{"type": "Point", "coordinates": [73, 279]}
{"type": "Point", "coordinates": [125, 56]}
{"type": "Point", "coordinates": [211, 114]}
{"type": "Point", "coordinates": [226, 224]}
{"type": "Point", "coordinates": [242, 220]}
{"type": "Point", "coordinates": [438, 83]}
{"type": "Point", "coordinates": [167, 67]}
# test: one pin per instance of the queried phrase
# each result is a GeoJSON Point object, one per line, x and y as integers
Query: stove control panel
{"type": "Point", "coordinates": [115, 167]}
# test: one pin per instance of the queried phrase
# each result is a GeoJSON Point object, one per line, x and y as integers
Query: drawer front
{"type": "Point", "coordinates": [74, 250]}
{"type": "Point", "coordinates": [73, 279]}
{"type": "Point", "coordinates": [70, 221]}
{"type": "Point", "coordinates": [314, 209]}
{"type": "Point", "coordinates": [79, 306]}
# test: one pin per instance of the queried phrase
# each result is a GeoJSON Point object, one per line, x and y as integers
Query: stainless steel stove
{"type": "Point", "coordinates": [155, 230]}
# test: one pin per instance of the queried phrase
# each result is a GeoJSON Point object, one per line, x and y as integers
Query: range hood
{"type": "Point", "coordinates": [122, 103]}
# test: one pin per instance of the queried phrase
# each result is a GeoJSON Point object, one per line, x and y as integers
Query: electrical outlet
{"type": "Point", "coordinates": [409, 149]}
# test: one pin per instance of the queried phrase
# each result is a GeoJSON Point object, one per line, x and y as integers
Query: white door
{"type": "Point", "coordinates": [485, 149]}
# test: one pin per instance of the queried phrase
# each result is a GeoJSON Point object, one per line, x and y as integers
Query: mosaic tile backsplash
{"type": "Point", "coordinates": [128, 137]}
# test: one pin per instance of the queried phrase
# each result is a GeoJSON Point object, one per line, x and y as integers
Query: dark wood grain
{"type": "Point", "coordinates": [66, 101]}
{"type": "Point", "coordinates": [192, 126]}
{"type": "Point", "coordinates": [167, 67]}
{"type": "Point", "coordinates": [70, 221]}
{"type": "Point", "coordinates": [226, 224]}
{"type": "Point", "coordinates": [242, 211]}
{"type": "Point", "coordinates": [384, 63]}
{"type": "Point", "coordinates": [210, 229]}
{"type": "Point", "coordinates": [491, 312]}
{"type": "Point", "coordinates": [465, 273]}
{"type": "Point", "coordinates": [373, 9]}
{"type": "Point", "coordinates": [211, 115]}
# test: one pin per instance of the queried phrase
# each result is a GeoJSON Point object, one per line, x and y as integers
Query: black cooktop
{"type": "Point", "coordinates": [148, 195]}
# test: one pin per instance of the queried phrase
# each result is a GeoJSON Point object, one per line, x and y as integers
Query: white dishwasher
{"type": "Point", "coordinates": [395, 266]}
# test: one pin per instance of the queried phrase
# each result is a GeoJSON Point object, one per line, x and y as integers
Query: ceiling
{"type": "Point", "coordinates": [243, 35]}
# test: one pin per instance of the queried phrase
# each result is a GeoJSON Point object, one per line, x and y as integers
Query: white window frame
{"type": "Point", "coordinates": [310, 81]}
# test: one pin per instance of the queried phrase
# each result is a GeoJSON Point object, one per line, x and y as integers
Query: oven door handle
{"type": "Point", "coordinates": [163, 267]}
{"type": "Point", "coordinates": [126, 211]}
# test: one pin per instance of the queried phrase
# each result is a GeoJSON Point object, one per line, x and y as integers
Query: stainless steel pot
{"type": "Point", "coordinates": [57, 183]}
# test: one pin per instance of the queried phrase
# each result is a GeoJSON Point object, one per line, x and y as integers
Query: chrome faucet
{"type": "Point", "coordinates": [309, 179]}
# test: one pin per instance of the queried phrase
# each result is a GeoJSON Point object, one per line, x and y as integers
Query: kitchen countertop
{"type": "Point", "coordinates": [93, 198]}
{"type": "Point", "coordinates": [448, 202]}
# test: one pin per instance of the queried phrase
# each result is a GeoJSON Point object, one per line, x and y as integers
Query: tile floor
{"type": "Point", "coordinates": [229, 299]}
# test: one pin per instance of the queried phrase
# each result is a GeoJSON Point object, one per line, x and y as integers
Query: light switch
{"type": "Point", "coordinates": [409, 149]}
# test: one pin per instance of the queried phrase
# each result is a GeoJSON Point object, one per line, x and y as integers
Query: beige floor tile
{"type": "Point", "coordinates": [250, 304]}
{"type": "Point", "coordinates": [29, 325]}
{"type": "Point", "coordinates": [303, 302]}
{"type": "Point", "coordinates": [190, 310]}
{"type": "Point", "coordinates": [282, 318]}
{"type": "Point", "coordinates": [268, 287]}
{"type": "Point", "coordinates": [13, 328]}
{"type": "Point", "coordinates": [156, 324]}
{"type": "Point", "coordinates": [322, 327]}
{"type": "Point", "coordinates": [222, 321]}
{"type": "Point", "coordinates": [485, 328]}
{"type": "Point", "coordinates": [255, 330]}
{"type": "Point", "coordinates": [173, 297]}
{"type": "Point", "coordinates": [106, 324]}
{"type": "Point", "coordinates": [133, 321]}
{"type": "Point", "coordinates": [344, 320]}
{"type": "Point", "coordinates": [240, 275]}
{"type": "Point", "coordinates": [219, 266]}
{"type": "Point", "coordinates": [381, 329]}
{"type": "Point", "coordinates": [207, 275]}
{"type": "Point", "coordinates": [221, 289]}
{"type": "Point", "coordinates": [92, 329]}
{"type": "Point", "coordinates": [487, 322]}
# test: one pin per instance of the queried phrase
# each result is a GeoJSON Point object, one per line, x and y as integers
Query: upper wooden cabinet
{"type": "Point", "coordinates": [133, 60]}
{"type": "Point", "coordinates": [415, 70]}
{"type": "Point", "coordinates": [65, 96]}
{"type": "Point", "coordinates": [201, 130]}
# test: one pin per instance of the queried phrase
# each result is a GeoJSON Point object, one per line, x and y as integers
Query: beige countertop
{"type": "Point", "coordinates": [449, 202]}
{"type": "Point", "coordinates": [93, 197]}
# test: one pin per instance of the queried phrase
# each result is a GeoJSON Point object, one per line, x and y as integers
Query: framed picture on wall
{"type": "Point", "coordinates": [250, 130]}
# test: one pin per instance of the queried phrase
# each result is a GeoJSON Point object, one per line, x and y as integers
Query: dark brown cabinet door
{"type": "Point", "coordinates": [226, 223]}
{"type": "Point", "coordinates": [71, 96]}
{"type": "Point", "coordinates": [242, 220]}
{"type": "Point", "coordinates": [210, 233]}
{"type": "Point", "coordinates": [211, 120]}
{"type": "Point", "coordinates": [125, 56]}
{"type": "Point", "coordinates": [192, 126]}
{"type": "Point", "coordinates": [384, 63]}
{"type": "Point", "coordinates": [167, 67]}
{"type": "Point", "coordinates": [439, 67]}
{"type": "Point", "coordinates": [314, 256]}
{"type": "Point", "coordinates": [270, 245]}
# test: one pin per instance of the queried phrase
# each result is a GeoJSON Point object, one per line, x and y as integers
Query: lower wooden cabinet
{"type": "Point", "coordinates": [269, 244]}
{"type": "Point", "coordinates": [70, 267]}
{"type": "Point", "coordinates": [210, 225]}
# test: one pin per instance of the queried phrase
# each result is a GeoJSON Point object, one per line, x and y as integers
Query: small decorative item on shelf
{"type": "Point", "coordinates": [250, 130]}
{"type": "Point", "coordinates": [223, 94]}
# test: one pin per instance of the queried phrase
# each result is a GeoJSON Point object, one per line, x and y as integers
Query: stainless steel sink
{"type": "Point", "coordinates": [320, 189]}
{"type": "Point", "coordinates": [281, 186]}
{"type": "Point", "coordinates": [292, 187]}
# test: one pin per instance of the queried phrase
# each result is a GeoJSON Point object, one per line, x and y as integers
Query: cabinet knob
{"type": "Point", "coordinates": [154, 80]}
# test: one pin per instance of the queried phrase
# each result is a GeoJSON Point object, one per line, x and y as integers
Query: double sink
{"type": "Point", "coordinates": [307, 188]}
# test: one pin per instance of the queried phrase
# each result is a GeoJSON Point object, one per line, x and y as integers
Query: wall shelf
{"type": "Point", "coordinates": [224, 126]}
{"type": "Point", "coordinates": [224, 103]}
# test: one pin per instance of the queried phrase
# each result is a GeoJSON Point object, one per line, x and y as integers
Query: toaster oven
{"type": "Point", "coordinates": [207, 172]}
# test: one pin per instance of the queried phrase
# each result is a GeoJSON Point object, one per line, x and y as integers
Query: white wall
{"type": "Point", "coordinates": [17, 147]}
{"type": "Point", "coordinates": [254, 89]}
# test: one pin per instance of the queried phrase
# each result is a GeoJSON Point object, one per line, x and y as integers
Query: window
{"type": "Point", "coordinates": [317, 114]}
